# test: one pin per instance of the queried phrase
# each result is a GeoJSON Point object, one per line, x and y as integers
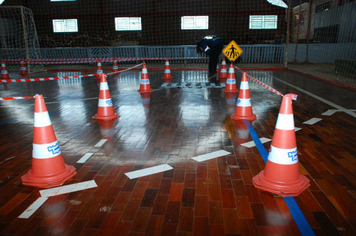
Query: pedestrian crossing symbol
{"type": "Point", "coordinates": [232, 51]}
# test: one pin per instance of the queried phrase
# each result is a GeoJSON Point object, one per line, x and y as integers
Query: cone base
{"type": "Point", "coordinates": [250, 118]}
{"type": "Point", "coordinates": [29, 179]}
{"type": "Point", "coordinates": [145, 91]}
{"type": "Point", "coordinates": [280, 188]}
{"type": "Point", "coordinates": [96, 117]}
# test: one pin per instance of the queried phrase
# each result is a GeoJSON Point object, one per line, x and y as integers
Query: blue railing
{"type": "Point", "coordinates": [251, 54]}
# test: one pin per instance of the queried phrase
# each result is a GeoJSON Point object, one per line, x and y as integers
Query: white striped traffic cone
{"type": "Point", "coordinates": [223, 70]}
{"type": "Point", "coordinates": [4, 72]}
{"type": "Point", "coordinates": [145, 86]}
{"type": "Point", "coordinates": [167, 77]}
{"type": "Point", "coordinates": [48, 168]}
{"type": "Point", "coordinates": [243, 109]}
{"type": "Point", "coordinates": [231, 81]}
{"type": "Point", "coordinates": [99, 70]}
{"type": "Point", "coordinates": [281, 174]}
{"type": "Point", "coordinates": [115, 68]}
{"type": "Point", "coordinates": [105, 107]}
{"type": "Point", "coordinates": [23, 70]}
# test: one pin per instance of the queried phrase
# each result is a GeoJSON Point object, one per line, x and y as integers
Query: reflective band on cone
{"type": "Point", "coordinates": [145, 86]}
{"type": "Point", "coordinates": [281, 174]}
{"type": "Point", "coordinates": [231, 81]}
{"type": "Point", "coordinates": [105, 105]}
{"type": "Point", "coordinates": [48, 168]}
{"type": "Point", "coordinates": [243, 109]}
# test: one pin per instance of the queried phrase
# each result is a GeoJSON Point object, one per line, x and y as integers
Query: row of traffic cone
{"type": "Point", "coordinates": [281, 175]}
{"type": "Point", "coordinates": [5, 73]}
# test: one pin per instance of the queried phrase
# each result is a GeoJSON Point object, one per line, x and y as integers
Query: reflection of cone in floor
{"type": "Point", "coordinates": [23, 70]}
{"type": "Point", "coordinates": [145, 86]}
{"type": "Point", "coordinates": [281, 174]}
{"type": "Point", "coordinates": [231, 81]}
{"type": "Point", "coordinates": [4, 72]}
{"type": "Point", "coordinates": [106, 128]}
{"type": "Point", "coordinates": [241, 131]}
{"type": "Point", "coordinates": [230, 99]}
{"type": "Point", "coordinates": [243, 103]}
{"type": "Point", "coordinates": [167, 77]}
{"type": "Point", "coordinates": [48, 168]}
{"type": "Point", "coordinates": [99, 70]}
{"type": "Point", "coordinates": [105, 108]}
{"type": "Point", "coordinates": [115, 68]}
{"type": "Point", "coordinates": [146, 98]}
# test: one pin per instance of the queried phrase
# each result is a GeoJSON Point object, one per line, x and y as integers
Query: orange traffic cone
{"type": "Point", "coordinates": [167, 77]}
{"type": "Point", "coordinates": [115, 68]}
{"type": "Point", "coordinates": [48, 168]}
{"type": "Point", "coordinates": [105, 108]}
{"type": "Point", "coordinates": [281, 174]}
{"type": "Point", "coordinates": [243, 103]}
{"type": "Point", "coordinates": [99, 70]}
{"type": "Point", "coordinates": [223, 71]}
{"type": "Point", "coordinates": [4, 73]}
{"type": "Point", "coordinates": [231, 81]}
{"type": "Point", "coordinates": [23, 70]}
{"type": "Point", "coordinates": [145, 86]}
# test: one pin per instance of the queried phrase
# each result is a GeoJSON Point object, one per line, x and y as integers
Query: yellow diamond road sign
{"type": "Point", "coordinates": [232, 51]}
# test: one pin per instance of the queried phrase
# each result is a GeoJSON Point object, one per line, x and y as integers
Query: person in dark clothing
{"type": "Point", "coordinates": [212, 46]}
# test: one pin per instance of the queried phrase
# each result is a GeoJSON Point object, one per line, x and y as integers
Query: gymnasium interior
{"type": "Point", "coordinates": [111, 125]}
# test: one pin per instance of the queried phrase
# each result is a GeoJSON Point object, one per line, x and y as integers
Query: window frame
{"type": "Point", "coordinates": [263, 22]}
{"type": "Point", "coordinates": [129, 23]}
{"type": "Point", "coordinates": [184, 19]}
{"type": "Point", "coordinates": [65, 21]}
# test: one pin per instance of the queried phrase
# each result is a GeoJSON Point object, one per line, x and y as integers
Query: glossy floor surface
{"type": "Point", "coordinates": [214, 197]}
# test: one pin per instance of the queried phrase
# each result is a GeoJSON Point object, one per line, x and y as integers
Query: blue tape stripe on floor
{"type": "Point", "coordinates": [257, 141]}
{"type": "Point", "coordinates": [294, 209]}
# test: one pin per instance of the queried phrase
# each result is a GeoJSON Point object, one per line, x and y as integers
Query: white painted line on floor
{"type": "Point", "coordinates": [297, 129]}
{"type": "Point", "coordinates": [68, 188]}
{"type": "Point", "coordinates": [211, 155]}
{"type": "Point", "coordinates": [350, 112]}
{"type": "Point", "coordinates": [100, 143]}
{"type": "Point", "coordinates": [329, 112]}
{"type": "Point", "coordinates": [252, 143]}
{"type": "Point", "coordinates": [312, 121]}
{"type": "Point", "coordinates": [85, 157]}
{"type": "Point", "coordinates": [148, 171]}
{"type": "Point", "coordinates": [33, 208]}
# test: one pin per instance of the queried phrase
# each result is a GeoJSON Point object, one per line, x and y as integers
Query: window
{"type": "Point", "coordinates": [195, 22]}
{"type": "Point", "coordinates": [263, 22]}
{"type": "Point", "coordinates": [65, 26]}
{"type": "Point", "coordinates": [127, 23]}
